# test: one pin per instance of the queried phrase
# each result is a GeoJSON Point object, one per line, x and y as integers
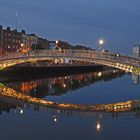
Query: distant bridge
{"type": "Point", "coordinates": [122, 62]}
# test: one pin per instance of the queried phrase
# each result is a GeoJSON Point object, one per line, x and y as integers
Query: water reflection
{"type": "Point", "coordinates": [98, 126]}
{"type": "Point", "coordinates": [27, 100]}
{"type": "Point", "coordinates": [19, 95]}
{"type": "Point", "coordinates": [13, 100]}
{"type": "Point", "coordinates": [19, 102]}
{"type": "Point", "coordinates": [135, 79]}
{"type": "Point", "coordinates": [15, 94]}
{"type": "Point", "coordinates": [41, 88]}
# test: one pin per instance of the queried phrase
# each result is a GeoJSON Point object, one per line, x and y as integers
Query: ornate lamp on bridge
{"type": "Point", "coordinates": [101, 43]}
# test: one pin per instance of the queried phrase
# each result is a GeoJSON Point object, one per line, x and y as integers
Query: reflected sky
{"type": "Point", "coordinates": [77, 21]}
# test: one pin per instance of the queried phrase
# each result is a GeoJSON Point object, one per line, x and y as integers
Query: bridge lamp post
{"type": "Point", "coordinates": [21, 47]}
{"type": "Point", "coordinates": [57, 45]}
{"type": "Point", "coordinates": [56, 42]}
{"type": "Point", "coordinates": [21, 44]}
{"type": "Point", "coordinates": [101, 43]}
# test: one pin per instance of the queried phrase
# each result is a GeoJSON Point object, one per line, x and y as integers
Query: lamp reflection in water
{"type": "Point", "coordinates": [21, 111]}
{"type": "Point", "coordinates": [55, 119]}
{"type": "Point", "coordinates": [99, 74]}
{"type": "Point", "coordinates": [98, 126]}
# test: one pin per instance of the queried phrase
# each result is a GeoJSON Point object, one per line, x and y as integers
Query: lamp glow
{"type": "Point", "coordinates": [101, 41]}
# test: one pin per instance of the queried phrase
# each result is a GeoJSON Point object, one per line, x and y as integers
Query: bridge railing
{"type": "Point", "coordinates": [79, 54]}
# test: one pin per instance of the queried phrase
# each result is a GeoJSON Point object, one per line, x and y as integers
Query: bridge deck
{"type": "Point", "coordinates": [122, 62]}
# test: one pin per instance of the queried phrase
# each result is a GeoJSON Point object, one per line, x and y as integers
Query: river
{"type": "Point", "coordinates": [23, 120]}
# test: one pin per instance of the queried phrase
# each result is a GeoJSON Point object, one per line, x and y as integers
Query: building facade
{"type": "Point", "coordinates": [43, 44]}
{"type": "Point", "coordinates": [27, 41]}
{"type": "Point", "coordinates": [10, 40]}
{"type": "Point", "coordinates": [32, 39]}
{"type": "Point", "coordinates": [14, 41]}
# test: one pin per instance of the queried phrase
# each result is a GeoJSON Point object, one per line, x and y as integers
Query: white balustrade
{"type": "Point", "coordinates": [91, 56]}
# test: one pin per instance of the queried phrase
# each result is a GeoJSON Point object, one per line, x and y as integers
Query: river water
{"type": "Point", "coordinates": [20, 120]}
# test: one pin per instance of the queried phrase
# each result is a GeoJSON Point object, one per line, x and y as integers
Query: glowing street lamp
{"type": "Point", "coordinates": [57, 41]}
{"type": "Point", "coordinates": [57, 45]}
{"type": "Point", "coordinates": [21, 44]}
{"type": "Point", "coordinates": [101, 43]}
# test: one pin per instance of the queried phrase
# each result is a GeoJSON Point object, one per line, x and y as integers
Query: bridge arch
{"type": "Point", "coordinates": [122, 62]}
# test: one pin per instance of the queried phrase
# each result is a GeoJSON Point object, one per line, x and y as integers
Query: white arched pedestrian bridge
{"type": "Point", "coordinates": [126, 63]}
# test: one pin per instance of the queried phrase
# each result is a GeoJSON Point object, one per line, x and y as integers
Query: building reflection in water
{"type": "Point", "coordinates": [135, 78]}
{"type": "Point", "coordinates": [61, 85]}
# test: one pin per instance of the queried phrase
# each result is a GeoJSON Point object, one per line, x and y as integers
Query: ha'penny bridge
{"type": "Point", "coordinates": [128, 106]}
{"type": "Point", "coordinates": [126, 63]}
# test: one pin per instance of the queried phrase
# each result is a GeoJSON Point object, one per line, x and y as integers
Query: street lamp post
{"type": "Point", "coordinates": [21, 47]}
{"type": "Point", "coordinates": [101, 43]}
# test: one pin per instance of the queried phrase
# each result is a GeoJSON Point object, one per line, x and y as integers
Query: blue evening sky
{"type": "Point", "coordinates": [77, 21]}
